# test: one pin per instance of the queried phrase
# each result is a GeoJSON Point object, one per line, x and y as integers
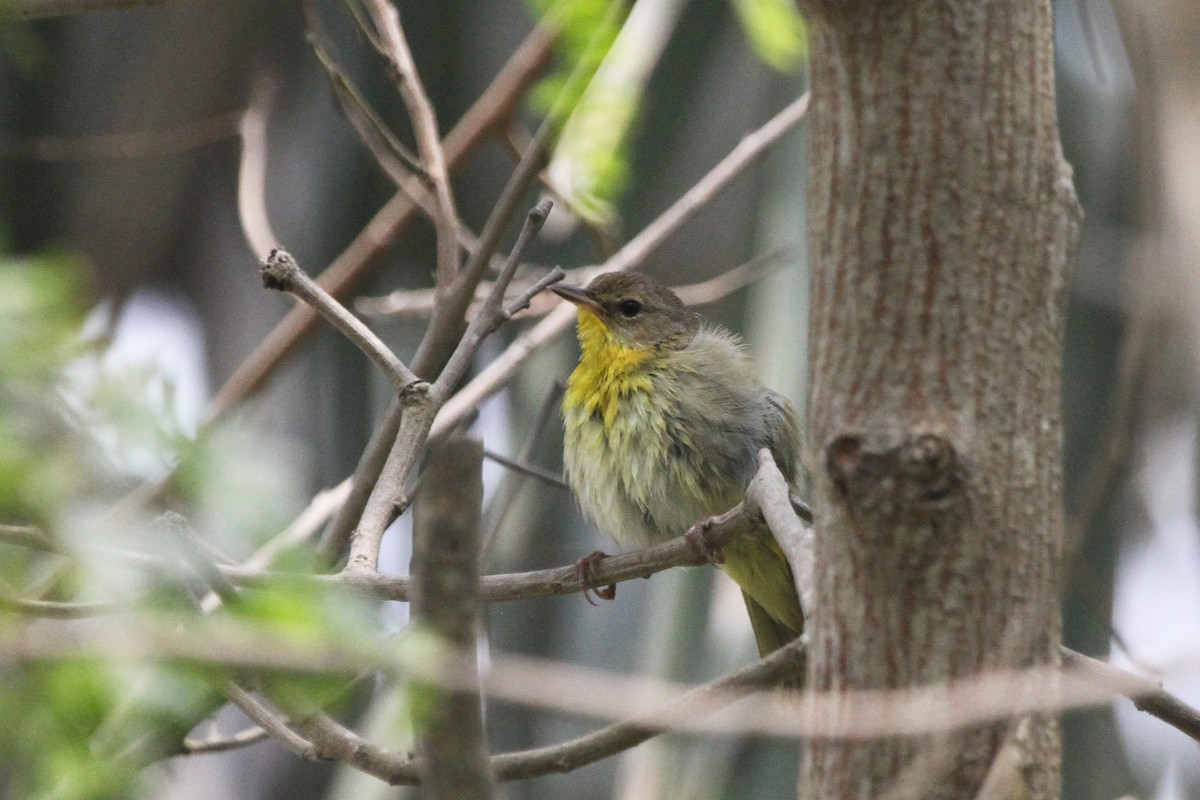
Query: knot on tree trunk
{"type": "Point", "coordinates": [902, 478]}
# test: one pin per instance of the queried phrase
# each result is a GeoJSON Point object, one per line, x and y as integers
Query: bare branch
{"type": "Point", "coordinates": [419, 302]}
{"type": "Point", "coordinates": [387, 24]}
{"type": "Point", "coordinates": [747, 150]}
{"type": "Point", "coordinates": [252, 169]}
{"type": "Point", "coordinates": [269, 721]}
{"type": "Point", "coordinates": [770, 495]}
{"type": "Point", "coordinates": [626, 734]}
{"type": "Point", "coordinates": [525, 297]}
{"type": "Point", "coordinates": [512, 482]}
{"type": "Point", "coordinates": [730, 281]}
{"type": "Point", "coordinates": [29, 536]}
{"type": "Point", "coordinates": [441, 335]}
{"type": "Point", "coordinates": [444, 330]}
{"type": "Point", "coordinates": [527, 469]}
{"type": "Point", "coordinates": [860, 714]}
{"type": "Point", "coordinates": [280, 271]}
{"type": "Point", "coordinates": [1148, 696]}
{"type": "Point", "coordinates": [417, 406]}
{"type": "Point", "coordinates": [680, 551]}
{"type": "Point", "coordinates": [392, 157]}
{"type": "Point", "coordinates": [490, 110]}
{"type": "Point", "coordinates": [491, 313]}
{"type": "Point", "coordinates": [222, 744]}
{"type": "Point", "coordinates": [436, 347]}
{"type": "Point", "coordinates": [55, 609]}
{"type": "Point", "coordinates": [336, 742]}
{"type": "Point", "coordinates": [43, 9]}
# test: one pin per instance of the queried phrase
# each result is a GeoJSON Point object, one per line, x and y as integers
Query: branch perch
{"type": "Point", "coordinates": [280, 271]}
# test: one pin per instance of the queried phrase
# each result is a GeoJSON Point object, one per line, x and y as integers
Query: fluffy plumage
{"type": "Point", "coordinates": [664, 418]}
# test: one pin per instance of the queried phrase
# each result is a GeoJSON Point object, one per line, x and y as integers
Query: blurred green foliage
{"type": "Point", "coordinates": [39, 333]}
{"type": "Point", "coordinates": [607, 54]}
{"type": "Point", "coordinates": [78, 431]}
{"type": "Point", "coordinates": [775, 29]}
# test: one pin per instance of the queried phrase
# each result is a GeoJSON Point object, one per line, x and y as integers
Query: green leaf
{"type": "Point", "coordinates": [775, 29]}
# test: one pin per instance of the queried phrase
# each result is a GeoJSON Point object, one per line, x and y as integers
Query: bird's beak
{"type": "Point", "coordinates": [579, 297]}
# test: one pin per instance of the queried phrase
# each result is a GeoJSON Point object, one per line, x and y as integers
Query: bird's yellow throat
{"type": "Point", "coordinates": [607, 371]}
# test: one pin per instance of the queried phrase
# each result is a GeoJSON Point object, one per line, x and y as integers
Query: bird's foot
{"type": "Point", "coordinates": [697, 537]}
{"type": "Point", "coordinates": [585, 573]}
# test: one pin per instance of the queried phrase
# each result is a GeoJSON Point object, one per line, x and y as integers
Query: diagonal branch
{"type": "Point", "coordinates": [489, 111]}
{"type": "Point", "coordinates": [416, 407]}
{"type": "Point", "coordinates": [408, 82]}
{"type": "Point", "coordinates": [44, 9]}
{"type": "Point", "coordinates": [222, 744]}
{"type": "Point", "coordinates": [492, 312]}
{"type": "Point", "coordinates": [280, 271]}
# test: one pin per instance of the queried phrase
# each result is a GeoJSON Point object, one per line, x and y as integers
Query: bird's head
{"type": "Point", "coordinates": [631, 311]}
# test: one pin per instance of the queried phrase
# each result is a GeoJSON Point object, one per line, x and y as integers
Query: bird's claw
{"type": "Point", "coordinates": [697, 537]}
{"type": "Point", "coordinates": [585, 573]}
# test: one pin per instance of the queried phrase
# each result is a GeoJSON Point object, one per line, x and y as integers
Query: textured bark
{"type": "Point", "coordinates": [942, 223]}
{"type": "Point", "coordinates": [445, 566]}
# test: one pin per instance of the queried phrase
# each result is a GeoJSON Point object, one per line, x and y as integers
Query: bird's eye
{"type": "Point", "coordinates": [630, 308]}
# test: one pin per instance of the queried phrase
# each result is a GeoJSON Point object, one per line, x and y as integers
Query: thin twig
{"type": "Point", "coordinates": [512, 482]}
{"type": "Point", "coordinates": [524, 468]}
{"type": "Point", "coordinates": [252, 168]}
{"type": "Point", "coordinates": [336, 742]}
{"type": "Point", "coordinates": [57, 609]}
{"type": "Point", "coordinates": [860, 714]}
{"type": "Point", "coordinates": [268, 720]}
{"type": "Point", "coordinates": [442, 337]}
{"type": "Point", "coordinates": [280, 271]}
{"type": "Point", "coordinates": [721, 286]}
{"type": "Point", "coordinates": [392, 158]}
{"type": "Point", "coordinates": [444, 331]}
{"type": "Point", "coordinates": [681, 551]}
{"type": "Point", "coordinates": [29, 536]}
{"type": "Point", "coordinates": [490, 110]}
{"type": "Point", "coordinates": [223, 744]}
{"type": "Point", "coordinates": [769, 495]}
{"type": "Point", "coordinates": [390, 154]}
{"type": "Point", "coordinates": [418, 405]}
{"type": "Point", "coordinates": [590, 748]}
{"type": "Point", "coordinates": [1147, 695]}
{"type": "Point", "coordinates": [408, 82]}
{"type": "Point", "coordinates": [44, 9]}
{"type": "Point", "coordinates": [419, 302]}
{"type": "Point", "coordinates": [492, 312]}
{"type": "Point", "coordinates": [623, 735]}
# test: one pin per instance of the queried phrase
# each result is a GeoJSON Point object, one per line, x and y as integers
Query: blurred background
{"type": "Point", "coordinates": [119, 156]}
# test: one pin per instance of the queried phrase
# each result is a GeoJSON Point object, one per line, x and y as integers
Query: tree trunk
{"type": "Point", "coordinates": [942, 224]}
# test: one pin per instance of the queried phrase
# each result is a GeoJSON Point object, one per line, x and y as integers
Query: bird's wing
{"type": "Point", "coordinates": [783, 438]}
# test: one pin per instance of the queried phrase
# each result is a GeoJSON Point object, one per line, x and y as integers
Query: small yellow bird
{"type": "Point", "coordinates": [664, 418]}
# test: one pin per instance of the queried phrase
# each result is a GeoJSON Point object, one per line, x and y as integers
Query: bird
{"type": "Point", "coordinates": [663, 419]}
